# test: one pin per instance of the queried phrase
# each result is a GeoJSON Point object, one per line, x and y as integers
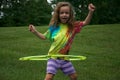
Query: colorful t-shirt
{"type": "Point", "coordinates": [61, 38]}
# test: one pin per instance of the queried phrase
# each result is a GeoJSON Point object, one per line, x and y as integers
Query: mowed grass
{"type": "Point", "coordinates": [99, 43]}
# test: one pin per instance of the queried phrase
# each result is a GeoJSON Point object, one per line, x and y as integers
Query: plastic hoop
{"type": "Point", "coordinates": [46, 57]}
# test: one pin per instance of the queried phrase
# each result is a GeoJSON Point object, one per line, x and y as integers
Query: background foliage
{"type": "Point", "coordinates": [24, 12]}
{"type": "Point", "coordinates": [38, 12]}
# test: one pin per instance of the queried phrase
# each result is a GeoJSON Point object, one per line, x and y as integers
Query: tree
{"type": "Point", "coordinates": [24, 12]}
{"type": "Point", "coordinates": [38, 12]}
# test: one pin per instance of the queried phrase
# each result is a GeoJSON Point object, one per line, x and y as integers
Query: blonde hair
{"type": "Point", "coordinates": [55, 18]}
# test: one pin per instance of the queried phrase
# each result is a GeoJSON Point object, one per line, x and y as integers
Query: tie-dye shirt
{"type": "Point", "coordinates": [61, 38]}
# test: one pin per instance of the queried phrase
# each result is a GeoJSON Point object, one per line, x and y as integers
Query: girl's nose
{"type": "Point", "coordinates": [64, 14]}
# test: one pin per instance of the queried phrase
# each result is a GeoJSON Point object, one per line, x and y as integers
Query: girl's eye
{"type": "Point", "coordinates": [61, 12]}
{"type": "Point", "coordinates": [67, 12]}
{"type": "Point", "coordinates": [64, 12]}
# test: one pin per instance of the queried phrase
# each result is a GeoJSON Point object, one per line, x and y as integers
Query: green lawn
{"type": "Point", "coordinates": [99, 43]}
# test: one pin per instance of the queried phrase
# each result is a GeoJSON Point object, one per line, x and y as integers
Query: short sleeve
{"type": "Point", "coordinates": [78, 26]}
{"type": "Point", "coordinates": [47, 34]}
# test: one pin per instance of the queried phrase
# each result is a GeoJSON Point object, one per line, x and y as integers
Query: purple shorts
{"type": "Point", "coordinates": [65, 66]}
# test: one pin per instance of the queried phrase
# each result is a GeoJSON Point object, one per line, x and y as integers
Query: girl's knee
{"type": "Point", "coordinates": [49, 77]}
{"type": "Point", "coordinates": [73, 76]}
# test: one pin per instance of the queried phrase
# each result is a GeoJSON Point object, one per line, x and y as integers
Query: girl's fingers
{"type": "Point", "coordinates": [30, 27]}
{"type": "Point", "coordinates": [91, 7]}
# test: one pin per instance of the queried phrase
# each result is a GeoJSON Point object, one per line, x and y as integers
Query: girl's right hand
{"type": "Point", "coordinates": [91, 7]}
{"type": "Point", "coordinates": [32, 28]}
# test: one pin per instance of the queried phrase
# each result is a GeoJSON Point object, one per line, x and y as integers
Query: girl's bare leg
{"type": "Point", "coordinates": [73, 76]}
{"type": "Point", "coordinates": [49, 76]}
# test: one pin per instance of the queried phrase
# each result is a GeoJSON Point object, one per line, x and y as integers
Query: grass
{"type": "Point", "coordinates": [100, 43]}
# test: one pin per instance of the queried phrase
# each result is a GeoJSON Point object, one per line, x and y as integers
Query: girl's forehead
{"type": "Point", "coordinates": [64, 8]}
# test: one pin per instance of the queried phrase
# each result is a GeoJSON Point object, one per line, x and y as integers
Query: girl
{"type": "Point", "coordinates": [61, 32]}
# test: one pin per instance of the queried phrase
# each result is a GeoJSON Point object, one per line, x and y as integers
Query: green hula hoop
{"type": "Point", "coordinates": [46, 57]}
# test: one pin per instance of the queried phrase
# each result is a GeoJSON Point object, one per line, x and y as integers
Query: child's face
{"type": "Point", "coordinates": [64, 14]}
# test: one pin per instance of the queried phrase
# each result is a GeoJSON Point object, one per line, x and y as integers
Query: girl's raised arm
{"type": "Point", "coordinates": [91, 8]}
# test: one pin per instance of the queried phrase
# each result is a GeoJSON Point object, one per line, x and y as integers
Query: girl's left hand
{"type": "Point", "coordinates": [91, 7]}
{"type": "Point", "coordinates": [32, 28]}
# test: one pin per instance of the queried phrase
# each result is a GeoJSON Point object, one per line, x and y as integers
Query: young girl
{"type": "Point", "coordinates": [61, 32]}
